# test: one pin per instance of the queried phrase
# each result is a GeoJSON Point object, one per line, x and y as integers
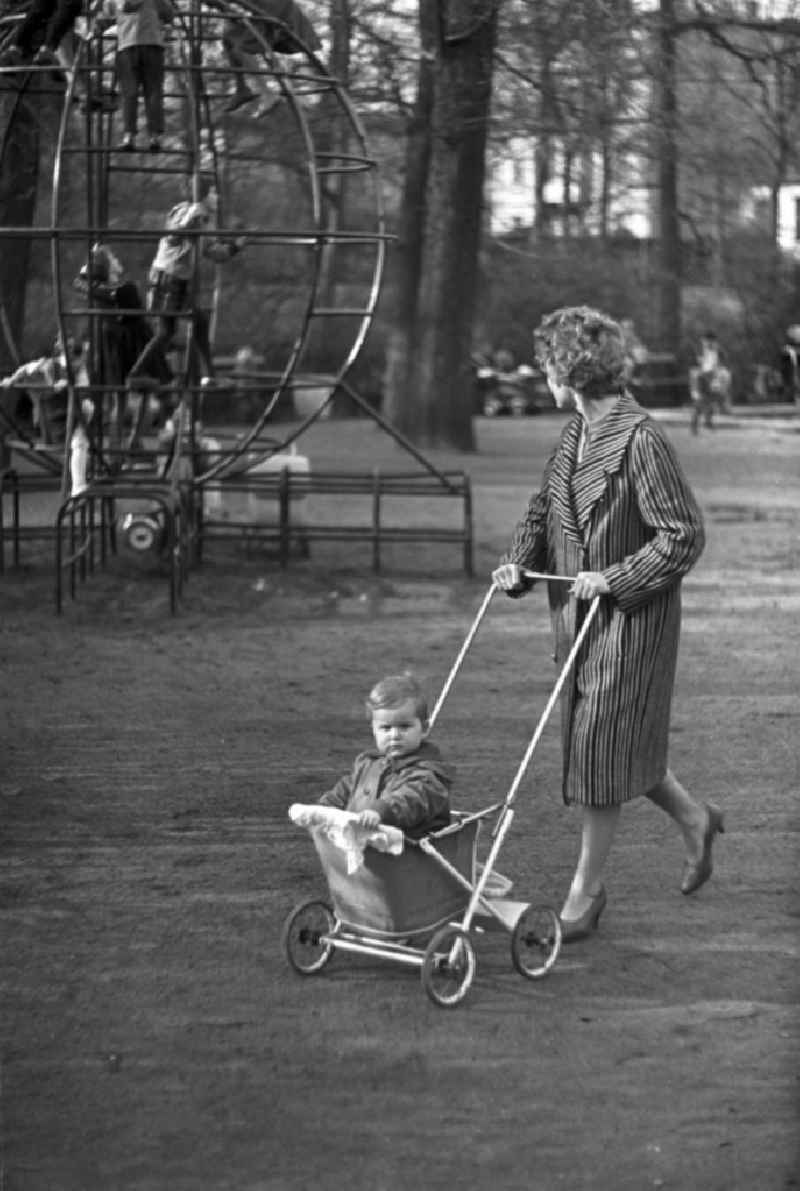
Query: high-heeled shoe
{"type": "Point", "coordinates": [573, 929]}
{"type": "Point", "coordinates": [697, 872]}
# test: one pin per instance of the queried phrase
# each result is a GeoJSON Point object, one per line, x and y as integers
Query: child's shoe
{"type": "Point", "coordinates": [155, 145]}
{"type": "Point", "coordinates": [128, 143]}
{"type": "Point", "coordinates": [44, 57]}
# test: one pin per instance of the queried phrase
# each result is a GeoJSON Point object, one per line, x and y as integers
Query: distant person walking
{"type": "Point", "coordinates": [709, 383]}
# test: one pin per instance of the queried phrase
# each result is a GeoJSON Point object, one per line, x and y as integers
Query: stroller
{"type": "Point", "coordinates": [419, 907]}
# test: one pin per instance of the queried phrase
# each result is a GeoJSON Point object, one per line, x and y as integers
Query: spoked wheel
{"type": "Point", "coordinates": [536, 941]}
{"type": "Point", "coordinates": [303, 937]}
{"type": "Point", "coordinates": [448, 967]}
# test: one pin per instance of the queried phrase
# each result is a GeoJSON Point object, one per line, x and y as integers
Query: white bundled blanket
{"type": "Point", "coordinates": [343, 829]}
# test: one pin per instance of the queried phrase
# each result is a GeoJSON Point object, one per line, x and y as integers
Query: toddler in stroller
{"type": "Point", "coordinates": [403, 781]}
{"type": "Point", "coordinates": [415, 898]}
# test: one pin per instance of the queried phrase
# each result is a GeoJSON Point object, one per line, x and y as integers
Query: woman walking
{"type": "Point", "coordinates": [614, 509]}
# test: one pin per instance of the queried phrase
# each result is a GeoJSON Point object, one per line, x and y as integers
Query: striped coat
{"type": "Point", "coordinates": [625, 509]}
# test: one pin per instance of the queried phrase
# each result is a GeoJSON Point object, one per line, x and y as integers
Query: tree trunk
{"type": "Point", "coordinates": [401, 393]}
{"type": "Point", "coordinates": [605, 183]}
{"type": "Point", "coordinates": [606, 156]}
{"type": "Point", "coordinates": [774, 211]}
{"type": "Point", "coordinates": [19, 177]}
{"type": "Point", "coordinates": [669, 243]}
{"type": "Point", "coordinates": [336, 144]}
{"type": "Point", "coordinates": [462, 96]}
{"type": "Point", "coordinates": [548, 118]}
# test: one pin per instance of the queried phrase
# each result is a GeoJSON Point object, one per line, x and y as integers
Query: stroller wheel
{"type": "Point", "coordinates": [304, 939]}
{"type": "Point", "coordinates": [448, 966]}
{"type": "Point", "coordinates": [536, 941]}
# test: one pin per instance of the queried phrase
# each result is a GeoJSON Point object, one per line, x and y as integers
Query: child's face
{"type": "Point", "coordinates": [397, 730]}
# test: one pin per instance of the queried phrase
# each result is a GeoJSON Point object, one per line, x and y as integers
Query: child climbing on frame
{"type": "Point", "coordinates": [47, 377]}
{"type": "Point", "coordinates": [171, 286]}
{"type": "Point", "coordinates": [140, 64]}
{"type": "Point", "coordinates": [280, 24]}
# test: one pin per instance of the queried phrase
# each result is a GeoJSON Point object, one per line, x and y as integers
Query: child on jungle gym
{"type": "Point", "coordinates": [171, 286]}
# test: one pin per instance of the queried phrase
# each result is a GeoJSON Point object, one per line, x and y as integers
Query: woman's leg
{"type": "Point", "coordinates": [597, 834]}
{"type": "Point", "coordinates": [698, 824]}
{"type": "Point", "coordinates": [677, 802]}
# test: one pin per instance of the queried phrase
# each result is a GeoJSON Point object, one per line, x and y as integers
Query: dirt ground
{"type": "Point", "coordinates": [152, 1036]}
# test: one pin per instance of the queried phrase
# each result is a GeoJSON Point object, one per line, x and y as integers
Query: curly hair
{"type": "Point", "coordinates": [585, 347]}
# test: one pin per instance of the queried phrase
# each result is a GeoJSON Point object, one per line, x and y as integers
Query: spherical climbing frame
{"type": "Point", "coordinates": [268, 130]}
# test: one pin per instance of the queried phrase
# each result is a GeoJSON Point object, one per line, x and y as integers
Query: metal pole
{"type": "Point", "coordinates": [487, 599]}
{"type": "Point", "coordinates": [551, 702]}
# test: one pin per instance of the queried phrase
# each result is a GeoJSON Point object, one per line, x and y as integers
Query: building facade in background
{"type": "Point", "coordinates": [511, 193]}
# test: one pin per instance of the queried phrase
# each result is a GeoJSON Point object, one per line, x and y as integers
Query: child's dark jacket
{"type": "Point", "coordinates": [410, 792]}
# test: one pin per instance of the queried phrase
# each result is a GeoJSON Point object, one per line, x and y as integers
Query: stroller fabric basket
{"type": "Point", "coordinates": [401, 895]}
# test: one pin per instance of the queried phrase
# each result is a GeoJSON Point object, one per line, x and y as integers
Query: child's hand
{"type": "Point", "coordinates": [369, 819]}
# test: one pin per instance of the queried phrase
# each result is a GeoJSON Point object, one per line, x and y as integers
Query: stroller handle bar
{"type": "Point", "coordinates": [506, 815]}
{"type": "Point", "coordinates": [526, 574]}
{"type": "Point", "coordinates": [462, 653]}
{"type": "Point", "coordinates": [551, 702]}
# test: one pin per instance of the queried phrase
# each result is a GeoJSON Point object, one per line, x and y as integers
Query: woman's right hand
{"type": "Point", "coordinates": [508, 577]}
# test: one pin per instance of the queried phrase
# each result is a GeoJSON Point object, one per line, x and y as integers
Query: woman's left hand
{"type": "Point", "coordinates": [589, 584]}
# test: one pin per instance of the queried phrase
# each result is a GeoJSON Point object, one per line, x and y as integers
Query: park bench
{"type": "Point", "coordinates": [280, 494]}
